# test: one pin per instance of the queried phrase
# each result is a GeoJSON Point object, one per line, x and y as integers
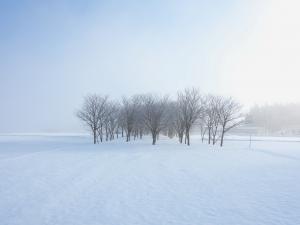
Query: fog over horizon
{"type": "Point", "coordinates": [53, 53]}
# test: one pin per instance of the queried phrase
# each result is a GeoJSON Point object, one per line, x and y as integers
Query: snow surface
{"type": "Point", "coordinates": [65, 180]}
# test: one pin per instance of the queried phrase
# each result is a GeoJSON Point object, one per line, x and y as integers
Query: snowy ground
{"type": "Point", "coordinates": [62, 180]}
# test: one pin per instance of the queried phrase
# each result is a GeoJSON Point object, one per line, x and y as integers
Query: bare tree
{"type": "Point", "coordinates": [202, 120]}
{"type": "Point", "coordinates": [92, 111]}
{"type": "Point", "coordinates": [112, 116]}
{"type": "Point", "coordinates": [121, 121]}
{"type": "Point", "coordinates": [211, 117]}
{"type": "Point", "coordinates": [170, 119]}
{"type": "Point", "coordinates": [139, 125]}
{"type": "Point", "coordinates": [229, 115]}
{"type": "Point", "coordinates": [189, 105]}
{"type": "Point", "coordinates": [216, 107]}
{"type": "Point", "coordinates": [130, 107]}
{"type": "Point", "coordinates": [154, 109]}
{"type": "Point", "coordinates": [150, 114]}
{"type": "Point", "coordinates": [179, 124]}
{"type": "Point", "coordinates": [203, 128]}
{"type": "Point", "coordinates": [102, 116]}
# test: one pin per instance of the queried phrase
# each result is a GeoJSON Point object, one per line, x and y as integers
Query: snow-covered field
{"type": "Point", "coordinates": [65, 180]}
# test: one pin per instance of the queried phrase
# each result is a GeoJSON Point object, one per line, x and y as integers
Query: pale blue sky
{"type": "Point", "coordinates": [52, 53]}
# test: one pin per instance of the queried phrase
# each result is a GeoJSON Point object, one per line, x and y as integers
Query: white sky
{"type": "Point", "coordinates": [264, 66]}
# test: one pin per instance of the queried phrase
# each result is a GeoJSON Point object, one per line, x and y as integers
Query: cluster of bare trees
{"type": "Point", "coordinates": [220, 115]}
{"type": "Point", "coordinates": [149, 114]}
{"type": "Point", "coordinates": [282, 119]}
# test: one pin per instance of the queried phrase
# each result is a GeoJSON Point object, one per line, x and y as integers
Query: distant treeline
{"type": "Point", "coordinates": [276, 118]}
{"type": "Point", "coordinates": [151, 114]}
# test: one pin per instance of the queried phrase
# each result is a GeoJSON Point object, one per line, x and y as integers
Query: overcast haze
{"type": "Point", "coordinates": [54, 53]}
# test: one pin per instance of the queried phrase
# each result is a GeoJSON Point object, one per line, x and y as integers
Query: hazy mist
{"type": "Point", "coordinates": [54, 53]}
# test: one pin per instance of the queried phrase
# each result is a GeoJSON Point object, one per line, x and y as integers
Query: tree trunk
{"type": "Point", "coordinates": [128, 136]}
{"type": "Point", "coordinates": [95, 136]}
{"type": "Point", "coordinates": [222, 136]}
{"type": "Point", "coordinates": [100, 133]}
{"type": "Point", "coordinates": [188, 137]}
{"type": "Point", "coordinates": [154, 138]}
{"type": "Point", "coordinates": [106, 133]}
{"type": "Point", "coordinates": [141, 134]}
{"type": "Point", "coordinates": [180, 135]}
{"type": "Point", "coordinates": [202, 138]}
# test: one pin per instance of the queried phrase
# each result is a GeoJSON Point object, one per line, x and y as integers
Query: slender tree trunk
{"type": "Point", "coordinates": [112, 136]}
{"type": "Point", "coordinates": [141, 134]}
{"type": "Point", "coordinates": [188, 137]}
{"type": "Point", "coordinates": [215, 140]}
{"type": "Point", "coordinates": [222, 136]}
{"type": "Point", "coordinates": [95, 136]}
{"type": "Point", "coordinates": [180, 135]}
{"type": "Point", "coordinates": [106, 132]}
{"type": "Point", "coordinates": [128, 136]}
{"type": "Point", "coordinates": [154, 136]}
{"type": "Point", "coordinates": [100, 133]}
